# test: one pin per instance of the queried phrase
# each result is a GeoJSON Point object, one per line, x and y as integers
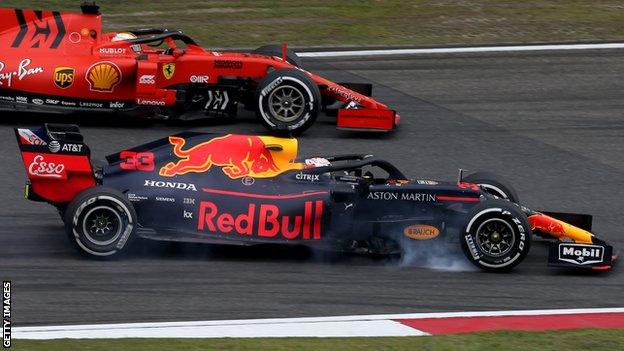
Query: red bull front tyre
{"type": "Point", "coordinates": [497, 235]}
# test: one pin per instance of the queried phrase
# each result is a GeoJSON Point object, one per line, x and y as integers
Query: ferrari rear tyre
{"type": "Point", "coordinates": [496, 236]}
{"type": "Point", "coordinates": [288, 101]}
{"type": "Point", "coordinates": [100, 221]}
{"type": "Point", "coordinates": [494, 185]}
{"type": "Point", "coordinates": [276, 50]}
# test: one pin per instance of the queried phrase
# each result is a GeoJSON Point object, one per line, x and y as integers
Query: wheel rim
{"type": "Point", "coordinates": [495, 237]}
{"type": "Point", "coordinates": [286, 103]}
{"type": "Point", "coordinates": [102, 225]}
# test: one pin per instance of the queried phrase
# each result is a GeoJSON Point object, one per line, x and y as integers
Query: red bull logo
{"type": "Point", "coordinates": [559, 229]}
{"type": "Point", "coordinates": [237, 155]}
{"type": "Point", "coordinates": [547, 224]}
{"type": "Point", "coordinates": [263, 220]}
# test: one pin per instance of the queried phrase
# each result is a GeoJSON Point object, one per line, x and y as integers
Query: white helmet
{"type": "Point", "coordinates": [123, 36]}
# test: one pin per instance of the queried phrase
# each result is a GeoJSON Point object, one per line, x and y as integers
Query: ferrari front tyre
{"type": "Point", "coordinates": [276, 50]}
{"type": "Point", "coordinates": [100, 221]}
{"type": "Point", "coordinates": [496, 236]}
{"type": "Point", "coordinates": [494, 185]}
{"type": "Point", "coordinates": [288, 101]}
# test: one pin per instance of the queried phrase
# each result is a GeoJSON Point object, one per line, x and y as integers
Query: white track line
{"type": "Point", "coordinates": [340, 326]}
{"type": "Point", "coordinates": [233, 329]}
{"type": "Point", "coordinates": [458, 50]}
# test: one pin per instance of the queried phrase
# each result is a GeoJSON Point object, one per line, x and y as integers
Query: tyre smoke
{"type": "Point", "coordinates": [437, 255]}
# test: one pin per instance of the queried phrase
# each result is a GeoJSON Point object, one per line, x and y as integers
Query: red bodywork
{"type": "Point", "coordinates": [59, 174]}
{"type": "Point", "coordinates": [64, 60]}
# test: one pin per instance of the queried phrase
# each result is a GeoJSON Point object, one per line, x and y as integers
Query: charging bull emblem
{"type": "Point", "coordinates": [237, 155]}
{"type": "Point", "coordinates": [560, 229]}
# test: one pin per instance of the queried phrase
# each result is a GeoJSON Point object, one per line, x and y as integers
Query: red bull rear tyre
{"type": "Point", "coordinates": [288, 101]}
{"type": "Point", "coordinates": [496, 236]}
{"type": "Point", "coordinates": [100, 221]}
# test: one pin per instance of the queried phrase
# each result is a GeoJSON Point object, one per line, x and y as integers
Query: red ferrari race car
{"type": "Point", "coordinates": [57, 62]}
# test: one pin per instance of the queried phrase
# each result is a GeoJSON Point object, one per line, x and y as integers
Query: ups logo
{"type": "Point", "coordinates": [64, 77]}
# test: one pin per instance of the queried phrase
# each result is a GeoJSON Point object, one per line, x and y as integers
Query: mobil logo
{"type": "Point", "coordinates": [237, 155]}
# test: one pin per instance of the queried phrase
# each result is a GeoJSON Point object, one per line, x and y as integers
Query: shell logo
{"type": "Point", "coordinates": [421, 232]}
{"type": "Point", "coordinates": [103, 76]}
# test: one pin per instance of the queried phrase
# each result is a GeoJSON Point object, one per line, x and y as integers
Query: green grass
{"type": "Point", "coordinates": [578, 340]}
{"type": "Point", "coordinates": [249, 23]}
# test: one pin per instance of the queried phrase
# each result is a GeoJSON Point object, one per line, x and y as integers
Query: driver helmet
{"type": "Point", "coordinates": [317, 162]}
{"type": "Point", "coordinates": [123, 36]}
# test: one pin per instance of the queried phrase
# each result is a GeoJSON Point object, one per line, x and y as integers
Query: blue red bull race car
{"type": "Point", "coordinates": [248, 190]}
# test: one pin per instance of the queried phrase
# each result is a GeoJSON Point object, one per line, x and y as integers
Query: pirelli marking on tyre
{"type": "Point", "coordinates": [472, 247]}
{"type": "Point", "coordinates": [271, 86]}
{"type": "Point", "coordinates": [80, 209]}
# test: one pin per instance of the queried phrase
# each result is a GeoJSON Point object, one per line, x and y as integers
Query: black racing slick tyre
{"type": "Point", "coordinates": [276, 50]}
{"type": "Point", "coordinates": [100, 221]}
{"type": "Point", "coordinates": [494, 185]}
{"type": "Point", "coordinates": [288, 101]}
{"type": "Point", "coordinates": [496, 236]}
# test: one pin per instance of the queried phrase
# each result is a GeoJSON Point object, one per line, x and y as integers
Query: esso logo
{"type": "Point", "coordinates": [199, 79]}
{"type": "Point", "coordinates": [40, 168]}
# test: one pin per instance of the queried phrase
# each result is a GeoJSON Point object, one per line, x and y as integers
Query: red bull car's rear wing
{"type": "Point", "coordinates": [56, 161]}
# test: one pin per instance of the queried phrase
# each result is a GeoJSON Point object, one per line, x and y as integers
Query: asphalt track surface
{"type": "Point", "coordinates": [551, 122]}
